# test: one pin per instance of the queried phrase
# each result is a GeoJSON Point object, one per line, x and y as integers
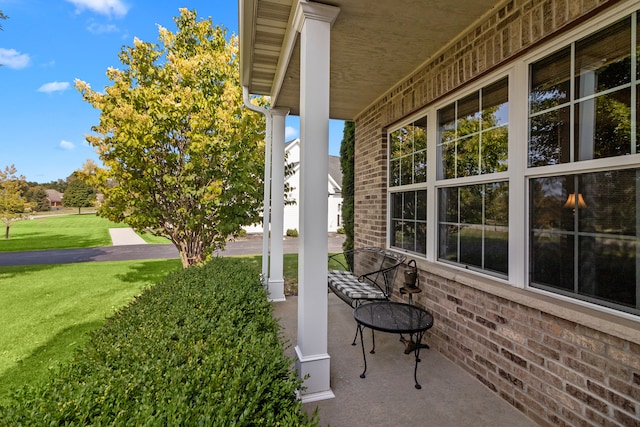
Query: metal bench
{"type": "Point", "coordinates": [369, 275]}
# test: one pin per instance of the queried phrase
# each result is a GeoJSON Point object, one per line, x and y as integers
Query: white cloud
{"type": "Point", "coordinates": [103, 7]}
{"type": "Point", "coordinates": [96, 28]}
{"type": "Point", "coordinates": [66, 145]}
{"type": "Point", "coordinates": [290, 133]}
{"type": "Point", "coordinates": [13, 59]}
{"type": "Point", "coordinates": [54, 87]}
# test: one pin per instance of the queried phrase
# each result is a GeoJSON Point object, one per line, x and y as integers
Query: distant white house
{"type": "Point", "coordinates": [334, 192]}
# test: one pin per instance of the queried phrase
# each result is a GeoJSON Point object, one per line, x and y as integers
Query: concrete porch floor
{"type": "Point", "coordinates": [386, 397]}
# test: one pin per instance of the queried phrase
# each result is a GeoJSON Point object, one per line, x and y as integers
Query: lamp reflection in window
{"type": "Point", "coordinates": [571, 201]}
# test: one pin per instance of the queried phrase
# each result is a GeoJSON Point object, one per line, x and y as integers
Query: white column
{"type": "Point", "coordinates": [314, 22]}
{"type": "Point", "coordinates": [276, 280]}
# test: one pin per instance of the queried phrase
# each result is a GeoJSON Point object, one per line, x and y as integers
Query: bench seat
{"type": "Point", "coordinates": [350, 289]}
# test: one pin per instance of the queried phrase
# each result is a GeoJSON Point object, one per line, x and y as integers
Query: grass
{"type": "Point", "coordinates": [64, 232]}
{"type": "Point", "coordinates": [58, 232]}
{"type": "Point", "coordinates": [48, 310]}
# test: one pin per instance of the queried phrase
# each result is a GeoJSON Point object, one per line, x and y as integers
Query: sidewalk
{"type": "Point", "coordinates": [125, 236]}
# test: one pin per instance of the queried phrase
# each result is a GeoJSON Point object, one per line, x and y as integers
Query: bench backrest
{"type": "Point", "coordinates": [376, 266]}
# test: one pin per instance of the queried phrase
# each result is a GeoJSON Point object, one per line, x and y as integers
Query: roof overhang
{"type": "Point", "coordinates": [374, 46]}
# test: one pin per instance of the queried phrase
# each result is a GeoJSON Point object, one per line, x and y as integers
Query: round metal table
{"type": "Point", "coordinates": [394, 317]}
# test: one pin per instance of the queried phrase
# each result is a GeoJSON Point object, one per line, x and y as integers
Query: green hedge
{"type": "Point", "coordinates": [200, 348]}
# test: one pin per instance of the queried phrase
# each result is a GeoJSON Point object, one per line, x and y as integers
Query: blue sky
{"type": "Point", "coordinates": [46, 44]}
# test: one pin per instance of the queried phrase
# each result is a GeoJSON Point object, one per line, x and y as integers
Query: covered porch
{"type": "Point", "coordinates": [449, 396]}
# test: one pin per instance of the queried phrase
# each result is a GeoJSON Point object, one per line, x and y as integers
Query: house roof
{"type": "Point", "coordinates": [374, 45]}
{"type": "Point", "coordinates": [54, 195]}
{"type": "Point", "coordinates": [335, 171]}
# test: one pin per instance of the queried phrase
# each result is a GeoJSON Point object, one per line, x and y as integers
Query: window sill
{"type": "Point", "coordinates": [620, 326]}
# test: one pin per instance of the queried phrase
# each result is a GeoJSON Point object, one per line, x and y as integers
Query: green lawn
{"type": "Point", "coordinates": [58, 232]}
{"type": "Point", "coordinates": [47, 311]}
{"type": "Point", "coordinates": [64, 232]}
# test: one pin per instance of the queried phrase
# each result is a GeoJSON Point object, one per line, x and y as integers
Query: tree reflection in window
{"type": "Point", "coordinates": [473, 133]}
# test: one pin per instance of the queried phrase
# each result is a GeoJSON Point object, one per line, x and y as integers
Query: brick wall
{"type": "Point", "coordinates": [557, 371]}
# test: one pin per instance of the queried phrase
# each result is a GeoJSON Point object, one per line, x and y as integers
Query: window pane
{"type": "Point", "coordinates": [495, 104]}
{"type": "Point", "coordinates": [607, 269]}
{"type": "Point", "coordinates": [471, 204]}
{"type": "Point", "coordinates": [420, 134]}
{"type": "Point", "coordinates": [496, 204]}
{"type": "Point", "coordinates": [550, 81]}
{"type": "Point", "coordinates": [396, 139]}
{"type": "Point", "coordinates": [471, 246]}
{"type": "Point", "coordinates": [552, 259]}
{"type": "Point", "coordinates": [396, 206]}
{"type": "Point", "coordinates": [406, 170]}
{"type": "Point", "coordinates": [394, 174]}
{"type": "Point", "coordinates": [447, 123]}
{"type": "Point", "coordinates": [421, 203]}
{"type": "Point", "coordinates": [494, 150]}
{"type": "Point", "coordinates": [603, 126]}
{"type": "Point", "coordinates": [603, 60]}
{"type": "Point", "coordinates": [408, 236]}
{"type": "Point", "coordinates": [549, 140]}
{"type": "Point", "coordinates": [448, 205]}
{"type": "Point", "coordinates": [496, 249]}
{"type": "Point", "coordinates": [609, 202]}
{"type": "Point", "coordinates": [468, 115]}
{"type": "Point", "coordinates": [549, 203]}
{"type": "Point", "coordinates": [468, 156]}
{"type": "Point", "coordinates": [396, 234]}
{"type": "Point", "coordinates": [447, 160]}
{"type": "Point", "coordinates": [420, 167]}
{"type": "Point", "coordinates": [448, 246]}
{"type": "Point", "coordinates": [409, 206]}
{"type": "Point", "coordinates": [421, 238]}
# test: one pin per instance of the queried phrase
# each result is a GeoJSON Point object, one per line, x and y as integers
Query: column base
{"type": "Point", "coordinates": [316, 370]}
{"type": "Point", "coordinates": [276, 290]}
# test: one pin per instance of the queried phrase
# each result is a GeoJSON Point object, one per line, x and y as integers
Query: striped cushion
{"type": "Point", "coordinates": [348, 284]}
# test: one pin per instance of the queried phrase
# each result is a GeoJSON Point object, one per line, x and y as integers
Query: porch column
{"type": "Point", "coordinates": [276, 280]}
{"type": "Point", "coordinates": [314, 20]}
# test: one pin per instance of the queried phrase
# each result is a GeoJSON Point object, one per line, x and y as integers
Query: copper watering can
{"type": "Point", "coordinates": [411, 274]}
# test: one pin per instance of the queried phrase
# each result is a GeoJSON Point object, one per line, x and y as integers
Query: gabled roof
{"type": "Point", "coordinates": [374, 45]}
{"type": "Point", "coordinates": [335, 171]}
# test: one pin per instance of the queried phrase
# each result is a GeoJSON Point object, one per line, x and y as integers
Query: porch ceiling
{"type": "Point", "coordinates": [374, 45]}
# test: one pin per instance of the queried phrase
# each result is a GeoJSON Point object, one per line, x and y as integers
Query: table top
{"type": "Point", "coordinates": [388, 316]}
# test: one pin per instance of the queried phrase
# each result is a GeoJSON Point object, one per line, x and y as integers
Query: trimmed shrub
{"type": "Point", "coordinates": [200, 348]}
{"type": "Point", "coordinates": [292, 232]}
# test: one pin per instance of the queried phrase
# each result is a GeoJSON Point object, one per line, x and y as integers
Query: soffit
{"type": "Point", "coordinates": [374, 45]}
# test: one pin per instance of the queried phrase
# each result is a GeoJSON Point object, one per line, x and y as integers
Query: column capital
{"type": "Point", "coordinates": [279, 111]}
{"type": "Point", "coordinates": [316, 11]}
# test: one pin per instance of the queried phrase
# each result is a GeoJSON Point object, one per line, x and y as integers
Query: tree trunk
{"type": "Point", "coordinates": [6, 232]}
{"type": "Point", "coordinates": [190, 253]}
{"type": "Point", "coordinates": [78, 210]}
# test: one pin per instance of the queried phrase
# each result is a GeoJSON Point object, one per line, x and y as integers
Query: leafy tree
{"type": "Point", "coordinates": [183, 158]}
{"type": "Point", "coordinates": [347, 150]}
{"type": "Point", "coordinates": [12, 204]}
{"type": "Point", "coordinates": [37, 196]}
{"type": "Point", "coordinates": [78, 195]}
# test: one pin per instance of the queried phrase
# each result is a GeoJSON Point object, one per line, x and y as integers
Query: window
{"type": "Point", "coordinates": [568, 173]}
{"type": "Point", "coordinates": [407, 178]}
{"type": "Point", "coordinates": [583, 102]}
{"type": "Point", "coordinates": [583, 112]}
{"type": "Point", "coordinates": [473, 219]}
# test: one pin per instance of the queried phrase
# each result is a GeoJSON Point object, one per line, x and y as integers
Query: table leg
{"type": "Point", "coordinates": [364, 357]}
{"type": "Point", "coordinates": [419, 336]}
